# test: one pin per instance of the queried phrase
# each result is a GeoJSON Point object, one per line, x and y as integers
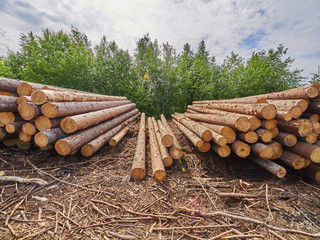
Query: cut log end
{"type": "Point", "coordinates": [24, 89]}
{"type": "Point", "coordinates": [315, 155]}
{"type": "Point", "coordinates": [287, 116]}
{"type": "Point", "coordinates": [27, 111]}
{"type": "Point", "coordinates": [269, 112]}
{"type": "Point", "coordinates": [29, 128]}
{"type": "Point", "coordinates": [10, 128]}
{"type": "Point", "coordinates": [229, 134]}
{"type": "Point", "coordinates": [296, 112]}
{"type": "Point", "coordinates": [159, 175]}
{"type": "Point", "coordinates": [222, 141]}
{"type": "Point", "coordinates": [243, 124]}
{"type": "Point", "coordinates": [266, 153]}
{"type": "Point", "coordinates": [49, 110]}
{"type": "Point", "coordinates": [138, 173]}
{"type": "Point", "coordinates": [176, 153]}
{"type": "Point", "coordinates": [290, 140]}
{"type": "Point", "coordinates": [207, 135]}
{"type": "Point", "coordinates": [205, 147]}
{"type": "Point", "coordinates": [38, 97]}
{"type": "Point", "coordinates": [87, 150]}
{"type": "Point", "coordinates": [24, 137]}
{"type": "Point", "coordinates": [167, 161]}
{"type": "Point", "coordinates": [298, 163]}
{"type": "Point", "coordinates": [112, 142]}
{"type": "Point", "coordinates": [281, 172]}
{"type": "Point", "coordinates": [251, 137]}
{"type": "Point", "coordinates": [68, 125]}
{"type": "Point", "coordinates": [62, 148]}
{"type": "Point", "coordinates": [312, 92]}
{"type": "Point", "coordinates": [255, 123]}
{"type": "Point", "coordinates": [222, 151]}
{"type": "Point", "coordinates": [305, 128]}
{"type": "Point", "coordinates": [242, 150]}
{"type": "Point", "coordinates": [167, 140]}
{"type": "Point", "coordinates": [41, 139]}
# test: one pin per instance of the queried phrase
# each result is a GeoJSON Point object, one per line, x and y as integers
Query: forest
{"type": "Point", "coordinates": [156, 77]}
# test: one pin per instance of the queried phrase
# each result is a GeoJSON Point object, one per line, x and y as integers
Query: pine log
{"type": "Point", "coordinates": [14, 127]}
{"type": "Point", "coordinates": [204, 133]}
{"type": "Point", "coordinates": [42, 96]}
{"type": "Point", "coordinates": [249, 137]}
{"type": "Point", "coordinates": [74, 142]}
{"type": "Point", "coordinates": [286, 139]}
{"type": "Point", "coordinates": [9, 85]}
{"type": "Point", "coordinates": [165, 156]}
{"type": "Point", "coordinates": [24, 137]}
{"type": "Point", "coordinates": [247, 100]}
{"type": "Point", "coordinates": [292, 160]}
{"type": "Point", "coordinates": [221, 151]}
{"type": "Point", "coordinates": [23, 99]}
{"type": "Point", "coordinates": [284, 115]}
{"type": "Point", "coordinates": [310, 138]}
{"type": "Point", "coordinates": [270, 166]}
{"type": "Point", "coordinates": [312, 172]}
{"type": "Point", "coordinates": [43, 123]}
{"type": "Point", "coordinates": [9, 94]}
{"type": "Point", "coordinates": [158, 170]}
{"type": "Point", "coordinates": [138, 169]}
{"type": "Point", "coordinates": [85, 120]}
{"type": "Point", "coordinates": [29, 110]}
{"type": "Point", "coordinates": [117, 138]}
{"type": "Point", "coordinates": [8, 104]}
{"type": "Point", "coordinates": [255, 123]}
{"type": "Point", "coordinates": [9, 117]}
{"type": "Point", "coordinates": [175, 150]}
{"type": "Point", "coordinates": [29, 128]}
{"type": "Point", "coordinates": [62, 109]}
{"type": "Point", "coordinates": [269, 124]}
{"type": "Point", "coordinates": [205, 147]}
{"type": "Point", "coordinates": [286, 104]}
{"type": "Point", "coordinates": [306, 150]}
{"type": "Point", "coordinates": [237, 123]}
{"type": "Point", "coordinates": [23, 145]}
{"type": "Point", "coordinates": [264, 111]}
{"type": "Point", "coordinates": [197, 141]}
{"type": "Point", "coordinates": [261, 150]}
{"type": "Point", "coordinates": [274, 132]}
{"type": "Point", "coordinates": [314, 107]}
{"type": "Point", "coordinates": [298, 127]}
{"type": "Point", "coordinates": [225, 131]}
{"type": "Point", "coordinates": [315, 126]}
{"type": "Point", "coordinates": [10, 142]}
{"type": "Point", "coordinates": [277, 150]}
{"type": "Point", "coordinates": [240, 148]}
{"type": "Point", "coordinates": [264, 135]}
{"type": "Point", "coordinates": [166, 137]}
{"type": "Point", "coordinates": [49, 137]}
{"type": "Point", "coordinates": [93, 146]}
{"type": "Point", "coordinates": [311, 116]}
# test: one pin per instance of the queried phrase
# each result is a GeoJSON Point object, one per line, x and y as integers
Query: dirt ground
{"type": "Point", "coordinates": [96, 199]}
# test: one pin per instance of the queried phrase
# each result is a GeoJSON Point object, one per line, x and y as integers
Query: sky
{"type": "Point", "coordinates": [241, 26]}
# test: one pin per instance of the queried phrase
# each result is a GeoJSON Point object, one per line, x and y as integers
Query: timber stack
{"type": "Point", "coordinates": [68, 120]}
{"type": "Point", "coordinates": [272, 130]}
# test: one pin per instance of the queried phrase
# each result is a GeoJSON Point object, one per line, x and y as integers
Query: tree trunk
{"type": "Point", "coordinates": [306, 150]}
{"type": "Point", "coordinates": [225, 131]}
{"type": "Point", "coordinates": [261, 150]}
{"type": "Point", "coordinates": [175, 150]}
{"type": "Point", "coordinates": [29, 128]}
{"type": "Point", "coordinates": [158, 170]}
{"type": "Point", "coordinates": [62, 109]}
{"type": "Point", "coordinates": [286, 139]}
{"type": "Point", "coordinates": [311, 116]}
{"type": "Point", "coordinates": [270, 166]}
{"type": "Point", "coordinates": [43, 123]}
{"type": "Point", "coordinates": [42, 96]}
{"type": "Point", "coordinates": [72, 143]}
{"type": "Point", "coordinates": [269, 124]}
{"type": "Point", "coordinates": [9, 85]}
{"type": "Point", "coordinates": [299, 127]}
{"type": "Point", "coordinates": [312, 172]}
{"type": "Point", "coordinates": [198, 142]}
{"type": "Point", "coordinates": [8, 104]}
{"type": "Point", "coordinates": [166, 137]}
{"type": "Point", "coordinates": [249, 137]}
{"type": "Point", "coordinates": [277, 150]}
{"type": "Point", "coordinates": [117, 138]}
{"type": "Point", "coordinates": [285, 105]}
{"type": "Point", "coordinates": [292, 160]}
{"type": "Point", "coordinates": [138, 169]}
{"type": "Point", "coordinates": [23, 99]}
{"type": "Point", "coordinates": [221, 151]}
{"type": "Point", "coordinates": [240, 148]}
{"type": "Point", "coordinates": [29, 110]}
{"type": "Point", "coordinates": [14, 127]}
{"type": "Point", "coordinates": [48, 137]}
{"type": "Point", "coordinates": [85, 120]}
{"type": "Point", "coordinates": [264, 135]}
{"type": "Point", "coordinates": [274, 132]}
{"type": "Point", "coordinates": [284, 115]}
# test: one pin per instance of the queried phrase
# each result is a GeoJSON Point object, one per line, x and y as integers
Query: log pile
{"type": "Point", "coordinates": [272, 130]}
{"type": "Point", "coordinates": [68, 119]}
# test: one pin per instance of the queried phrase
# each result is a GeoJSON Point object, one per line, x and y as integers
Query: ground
{"type": "Point", "coordinates": [96, 199]}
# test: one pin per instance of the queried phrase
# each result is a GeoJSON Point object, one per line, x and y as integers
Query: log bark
{"type": "Point", "coordinates": [24, 137]}
{"type": "Point", "coordinates": [166, 136]}
{"type": "Point", "coordinates": [277, 150]}
{"type": "Point", "coordinates": [286, 104]}
{"type": "Point", "coordinates": [270, 166]}
{"type": "Point", "coordinates": [298, 127]}
{"type": "Point", "coordinates": [306, 150]}
{"type": "Point", "coordinates": [197, 141]}
{"type": "Point", "coordinates": [314, 107]}
{"type": "Point", "coordinates": [48, 137]}
{"type": "Point", "coordinates": [74, 142]}
{"type": "Point", "coordinates": [205, 147]}
{"type": "Point", "coordinates": [225, 131]}
{"type": "Point", "coordinates": [138, 169]}
{"type": "Point", "coordinates": [286, 139]}
{"type": "Point", "coordinates": [312, 172]}
{"type": "Point", "coordinates": [292, 160]}
{"type": "Point", "coordinates": [42, 96]}
{"type": "Point", "coordinates": [8, 104]}
{"type": "Point", "coordinates": [269, 124]}
{"type": "Point", "coordinates": [261, 150]}
{"type": "Point", "coordinates": [9, 85]}
{"type": "Point", "coordinates": [93, 146]}
{"type": "Point", "coordinates": [284, 115]}
{"type": "Point", "coordinates": [274, 132]}
{"type": "Point", "coordinates": [6, 136]}
{"type": "Point", "coordinates": [204, 133]}
{"type": "Point", "coordinates": [23, 99]}
{"type": "Point", "coordinates": [165, 156]}
{"type": "Point", "coordinates": [85, 120]}
{"type": "Point", "coordinates": [264, 135]}
{"type": "Point", "coordinates": [14, 127]}
{"type": "Point", "coordinates": [158, 170]}
{"type": "Point", "coordinates": [9, 117]}
{"type": "Point", "coordinates": [311, 116]}
{"type": "Point", "coordinates": [29, 110]}
{"type": "Point", "coordinates": [43, 123]}
{"type": "Point", "coordinates": [62, 109]}
{"type": "Point", "coordinates": [117, 138]}
{"type": "Point", "coordinates": [29, 128]}
{"type": "Point", "coordinates": [240, 148]}
{"type": "Point", "coordinates": [175, 150]}
{"type": "Point", "coordinates": [249, 137]}
{"type": "Point", "coordinates": [221, 151]}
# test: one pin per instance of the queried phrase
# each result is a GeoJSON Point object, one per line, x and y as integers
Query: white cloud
{"type": "Point", "coordinates": [225, 25]}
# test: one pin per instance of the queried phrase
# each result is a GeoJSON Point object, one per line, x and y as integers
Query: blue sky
{"type": "Point", "coordinates": [226, 25]}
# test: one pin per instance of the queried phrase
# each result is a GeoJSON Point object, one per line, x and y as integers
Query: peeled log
{"type": "Point", "coordinates": [166, 137]}
{"type": "Point", "coordinates": [274, 132]}
{"type": "Point", "coordinates": [284, 115]}
{"type": "Point", "coordinates": [10, 85]}
{"type": "Point", "coordinates": [85, 120]}
{"type": "Point", "coordinates": [270, 166]}
{"type": "Point", "coordinates": [23, 99]}
{"type": "Point", "coordinates": [306, 150]}
{"type": "Point", "coordinates": [48, 137]}
{"type": "Point", "coordinates": [62, 109]}
{"type": "Point", "coordinates": [117, 138]}
{"type": "Point", "coordinates": [225, 131]}
{"type": "Point", "coordinates": [42, 96]}
{"type": "Point", "coordinates": [286, 139]}
{"type": "Point", "coordinates": [285, 104]}
{"type": "Point", "coordinates": [204, 133]}
{"type": "Point", "coordinates": [156, 162]}
{"type": "Point", "coordinates": [264, 135]}
{"type": "Point", "coordinates": [93, 146]}
{"type": "Point", "coordinates": [277, 150]}
{"type": "Point", "coordinates": [175, 150]}
{"type": "Point", "coordinates": [261, 150]}
{"type": "Point", "coordinates": [269, 124]}
{"type": "Point", "coordinates": [299, 127]}
{"type": "Point", "coordinates": [165, 156]}
{"type": "Point", "coordinates": [14, 127]}
{"type": "Point", "coordinates": [197, 141]}
{"type": "Point", "coordinates": [292, 160]}
{"type": "Point", "coordinates": [29, 128]}
{"type": "Point", "coordinates": [29, 110]}
{"type": "Point", "coordinates": [138, 169]}
{"type": "Point", "coordinates": [73, 142]}
{"type": "Point", "coordinates": [43, 123]}
{"type": "Point", "coordinates": [240, 148]}
{"type": "Point", "coordinates": [249, 137]}
{"type": "Point", "coordinates": [221, 151]}
{"type": "Point", "coordinates": [8, 104]}
{"type": "Point", "coordinates": [9, 94]}
{"type": "Point", "coordinates": [312, 172]}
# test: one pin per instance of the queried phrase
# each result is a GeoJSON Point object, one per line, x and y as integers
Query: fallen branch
{"type": "Point", "coordinates": [38, 181]}
{"type": "Point", "coordinates": [36, 233]}
{"type": "Point", "coordinates": [192, 227]}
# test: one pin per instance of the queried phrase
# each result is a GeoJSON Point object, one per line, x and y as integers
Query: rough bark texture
{"type": "Point", "coordinates": [138, 169]}
{"type": "Point", "coordinates": [299, 127]}
{"type": "Point", "coordinates": [270, 166]}
{"type": "Point", "coordinates": [10, 85]}
{"type": "Point", "coordinates": [240, 148]}
{"type": "Point", "coordinates": [306, 150]}
{"type": "Point", "coordinates": [29, 110]}
{"type": "Point", "coordinates": [48, 137]}
{"type": "Point", "coordinates": [261, 150]}
{"type": "Point", "coordinates": [221, 151]}
{"type": "Point", "coordinates": [6, 136]}
{"type": "Point", "coordinates": [8, 104]}
{"type": "Point", "coordinates": [225, 131]}
{"type": "Point", "coordinates": [14, 127]}
{"type": "Point", "coordinates": [286, 139]}
{"type": "Point", "coordinates": [314, 107]}
{"type": "Point", "coordinates": [43, 123]}
{"type": "Point", "coordinates": [312, 172]}
{"type": "Point", "coordinates": [312, 116]}
{"type": "Point", "coordinates": [292, 160]}
{"type": "Point", "coordinates": [117, 138]}
{"type": "Point", "coordinates": [197, 141]}
{"type": "Point", "coordinates": [264, 135]}
{"type": "Point", "coordinates": [249, 137]}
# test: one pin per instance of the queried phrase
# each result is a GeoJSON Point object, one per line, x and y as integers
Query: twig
{"type": "Point", "coordinates": [106, 203]}
{"type": "Point", "coordinates": [193, 227]}
{"type": "Point", "coordinates": [189, 235]}
{"type": "Point", "coordinates": [276, 235]}
{"type": "Point", "coordinates": [121, 236]}
{"type": "Point", "coordinates": [221, 234]}
{"type": "Point", "coordinates": [99, 210]}
{"type": "Point", "coordinates": [267, 201]}
{"type": "Point", "coordinates": [208, 195]}
{"type": "Point", "coordinates": [243, 236]}
{"type": "Point", "coordinates": [37, 233]}
{"type": "Point", "coordinates": [38, 181]}
{"type": "Point", "coordinates": [237, 195]}
{"type": "Point", "coordinates": [147, 214]}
